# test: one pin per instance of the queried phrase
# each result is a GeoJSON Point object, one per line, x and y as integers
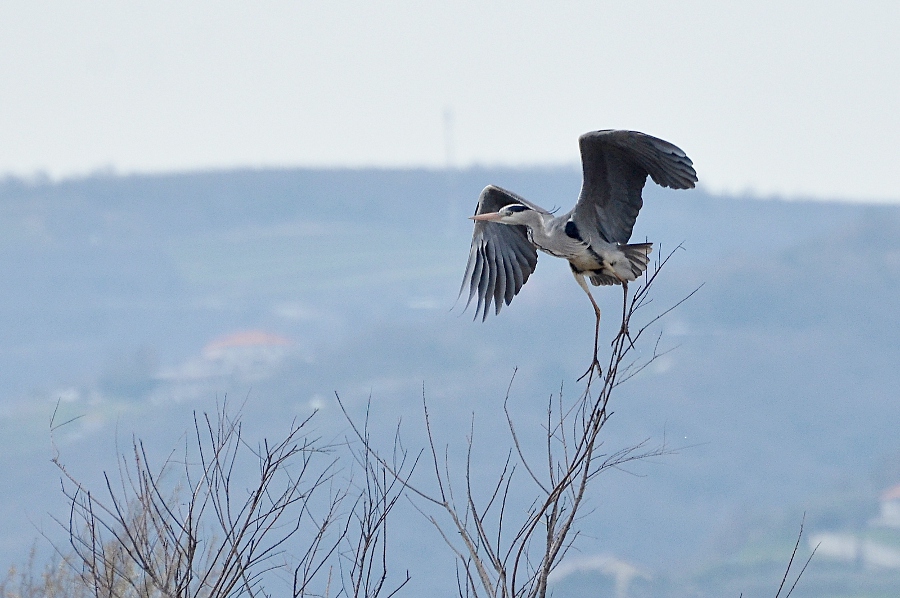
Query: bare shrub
{"type": "Point", "coordinates": [202, 525]}
{"type": "Point", "coordinates": [56, 579]}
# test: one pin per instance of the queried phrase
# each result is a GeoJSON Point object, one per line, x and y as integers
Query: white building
{"type": "Point", "coordinates": [242, 357]}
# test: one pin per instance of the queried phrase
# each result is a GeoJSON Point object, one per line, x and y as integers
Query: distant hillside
{"type": "Point", "coordinates": [124, 296]}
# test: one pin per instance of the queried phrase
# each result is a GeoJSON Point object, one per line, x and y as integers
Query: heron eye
{"type": "Point", "coordinates": [515, 208]}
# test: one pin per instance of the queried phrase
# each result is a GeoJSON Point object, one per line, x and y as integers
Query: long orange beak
{"type": "Point", "coordinates": [489, 217]}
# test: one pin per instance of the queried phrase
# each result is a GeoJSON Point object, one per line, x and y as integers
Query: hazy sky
{"type": "Point", "coordinates": [788, 98]}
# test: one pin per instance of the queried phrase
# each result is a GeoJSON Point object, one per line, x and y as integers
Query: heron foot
{"type": "Point", "coordinates": [595, 365]}
{"type": "Point", "coordinates": [623, 332]}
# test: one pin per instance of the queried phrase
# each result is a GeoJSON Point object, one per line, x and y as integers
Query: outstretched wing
{"type": "Point", "coordinates": [501, 257]}
{"type": "Point", "coordinates": [616, 165]}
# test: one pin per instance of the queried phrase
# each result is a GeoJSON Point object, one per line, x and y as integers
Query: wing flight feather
{"type": "Point", "coordinates": [501, 258]}
{"type": "Point", "coordinates": [615, 166]}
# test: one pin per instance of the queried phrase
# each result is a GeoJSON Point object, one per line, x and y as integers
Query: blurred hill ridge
{"type": "Point", "coordinates": [780, 395]}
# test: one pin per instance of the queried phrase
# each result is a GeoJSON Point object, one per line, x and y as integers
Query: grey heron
{"type": "Point", "coordinates": [593, 236]}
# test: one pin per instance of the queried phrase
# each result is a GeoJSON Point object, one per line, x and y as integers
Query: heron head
{"type": "Point", "coordinates": [514, 213]}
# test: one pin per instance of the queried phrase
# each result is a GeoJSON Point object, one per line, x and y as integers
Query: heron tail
{"type": "Point", "coordinates": [638, 255]}
{"type": "Point", "coordinates": [636, 258]}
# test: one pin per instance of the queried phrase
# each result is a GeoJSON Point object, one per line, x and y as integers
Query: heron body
{"type": "Point", "coordinates": [593, 236]}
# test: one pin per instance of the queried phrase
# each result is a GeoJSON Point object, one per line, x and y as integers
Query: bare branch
{"type": "Point", "coordinates": [496, 555]}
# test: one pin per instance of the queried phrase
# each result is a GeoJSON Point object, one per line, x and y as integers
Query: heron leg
{"type": "Point", "coordinates": [595, 363]}
{"type": "Point", "coordinates": [624, 329]}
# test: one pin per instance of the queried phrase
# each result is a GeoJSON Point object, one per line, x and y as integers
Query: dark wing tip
{"type": "Point", "coordinates": [666, 163]}
{"type": "Point", "coordinates": [678, 170]}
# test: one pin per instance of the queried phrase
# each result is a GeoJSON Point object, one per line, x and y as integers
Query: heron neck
{"type": "Point", "coordinates": [539, 224]}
